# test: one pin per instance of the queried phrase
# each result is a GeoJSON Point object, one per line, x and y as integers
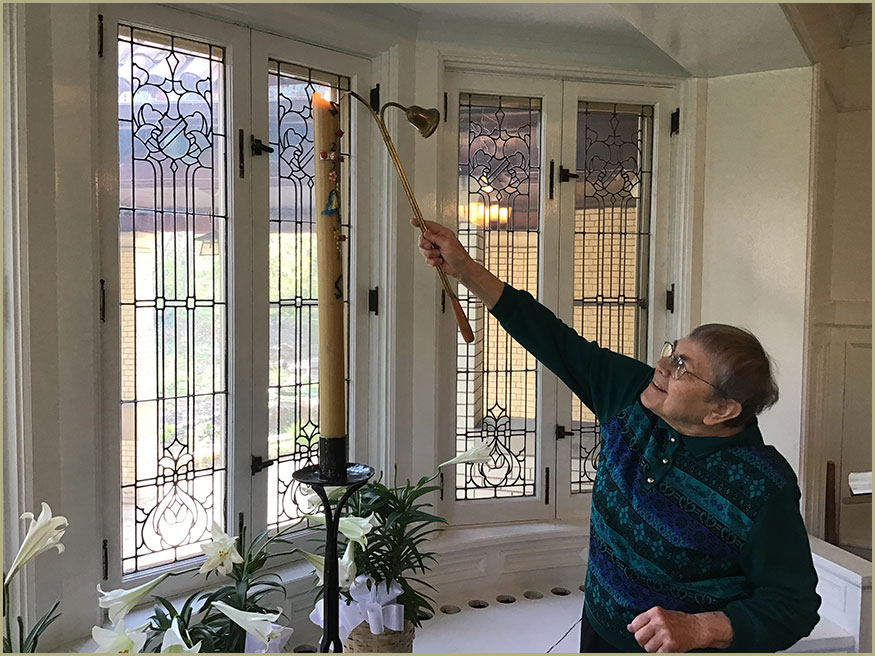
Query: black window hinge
{"type": "Point", "coordinates": [105, 556]}
{"type": "Point", "coordinates": [669, 299]}
{"type": "Point", "coordinates": [442, 486]}
{"type": "Point", "coordinates": [375, 98]}
{"type": "Point", "coordinates": [551, 179]}
{"type": "Point", "coordinates": [100, 36]}
{"type": "Point", "coordinates": [561, 433]}
{"type": "Point", "coordinates": [546, 486]}
{"type": "Point", "coordinates": [102, 301]}
{"type": "Point", "coordinates": [241, 522]}
{"type": "Point", "coordinates": [241, 154]}
{"type": "Point", "coordinates": [374, 301]}
{"type": "Point", "coordinates": [445, 106]}
{"type": "Point", "coordinates": [675, 122]}
{"type": "Point", "coordinates": [443, 301]}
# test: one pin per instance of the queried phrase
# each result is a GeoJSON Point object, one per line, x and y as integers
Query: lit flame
{"type": "Point", "coordinates": [319, 99]}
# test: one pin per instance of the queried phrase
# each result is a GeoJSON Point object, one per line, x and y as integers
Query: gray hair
{"type": "Point", "coordinates": [742, 370]}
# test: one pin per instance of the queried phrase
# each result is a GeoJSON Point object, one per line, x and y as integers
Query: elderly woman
{"type": "Point", "coordinates": [696, 540]}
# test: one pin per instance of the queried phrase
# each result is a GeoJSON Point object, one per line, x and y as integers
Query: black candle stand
{"type": "Point", "coordinates": [353, 478]}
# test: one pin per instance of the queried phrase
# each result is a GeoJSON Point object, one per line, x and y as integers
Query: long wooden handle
{"type": "Point", "coordinates": [462, 320]}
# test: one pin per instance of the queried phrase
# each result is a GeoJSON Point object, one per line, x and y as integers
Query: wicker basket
{"type": "Point", "coordinates": [361, 640]}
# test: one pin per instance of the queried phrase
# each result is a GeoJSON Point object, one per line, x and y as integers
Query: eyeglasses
{"type": "Point", "coordinates": [678, 367]}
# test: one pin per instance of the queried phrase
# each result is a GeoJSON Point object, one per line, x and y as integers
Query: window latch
{"type": "Point", "coordinates": [260, 464]}
{"type": "Point", "coordinates": [258, 148]}
{"type": "Point", "coordinates": [561, 433]}
{"type": "Point", "coordinates": [565, 175]}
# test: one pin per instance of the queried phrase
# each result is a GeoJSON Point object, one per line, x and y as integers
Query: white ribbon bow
{"type": "Point", "coordinates": [372, 602]}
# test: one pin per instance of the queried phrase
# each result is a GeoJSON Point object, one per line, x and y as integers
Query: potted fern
{"type": "Point", "coordinates": [387, 529]}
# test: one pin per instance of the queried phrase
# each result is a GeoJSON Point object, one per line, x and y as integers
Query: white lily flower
{"type": "Point", "coordinates": [346, 570]}
{"type": "Point", "coordinates": [476, 455]}
{"type": "Point", "coordinates": [259, 625]}
{"type": "Point", "coordinates": [43, 534]}
{"type": "Point", "coordinates": [120, 602]}
{"type": "Point", "coordinates": [173, 642]}
{"type": "Point", "coordinates": [221, 552]}
{"type": "Point", "coordinates": [353, 528]}
{"type": "Point", "coordinates": [312, 502]}
{"type": "Point", "coordinates": [346, 566]}
{"type": "Point", "coordinates": [276, 640]}
{"type": "Point", "coordinates": [318, 562]}
{"type": "Point", "coordinates": [119, 640]}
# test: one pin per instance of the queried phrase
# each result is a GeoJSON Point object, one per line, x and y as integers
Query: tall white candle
{"type": "Point", "coordinates": [326, 168]}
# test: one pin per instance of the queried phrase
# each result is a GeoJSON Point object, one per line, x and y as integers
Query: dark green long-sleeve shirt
{"type": "Point", "coordinates": [686, 523]}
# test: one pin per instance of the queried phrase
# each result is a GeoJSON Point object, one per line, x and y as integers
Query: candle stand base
{"type": "Point", "coordinates": [353, 477]}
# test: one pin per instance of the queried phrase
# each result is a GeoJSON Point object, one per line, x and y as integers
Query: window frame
{"type": "Point", "coordinates": [244, 414]}
{"type": "Point", "coordinates": [576, 507]}
{"type": "Point", "coordinates": [669, 159]}
{"type": "Point", "coordinates": [529, 508]}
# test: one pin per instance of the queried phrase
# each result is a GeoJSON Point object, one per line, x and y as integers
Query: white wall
{"type": "Point", "coordinates": [851, 278]}
{"type": "Point", "coordinates": [58, 136]}
{"type": "Point", "coordinates": [755, 226]}
{"type": "Point", "coordinates": [840, 378]}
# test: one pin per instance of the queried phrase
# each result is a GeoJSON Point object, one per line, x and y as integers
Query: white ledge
{"type": "Point", "coordinates": [843, 564]}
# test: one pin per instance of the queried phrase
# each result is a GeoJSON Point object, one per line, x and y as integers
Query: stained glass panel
{"type": "Point", "coordinates": [499, 224]}
{"type": "Point", "coordinates": [173, 295]}
{"type": "Point", "coordinates": [611, 249]}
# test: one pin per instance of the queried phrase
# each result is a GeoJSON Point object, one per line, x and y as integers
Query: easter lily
{"type": "Point", "coordinates": [120, 602]}
{"type": "Point", "coordinates": [259, 625]}
{"type": "Point", "coordinates": [277, 638]}
{"type": "Point", "coordinates": [43, 534]}
{"type": "Point", "coordinates": [221, 552]}
{"type": "Point", "coordinates": [173, 642]}
{"type": "Point", "coordinates": [346, 565]}
{"type": "Point", "coordinates": [316, 561]}
{"type": "Point", "coordinates": [476, 455]}
{"type": "Point", "coordinates": [312, 502]}
{"type": "Point", "coordinates": [119, 640]}
{"type": "Point", "coordinates": [353, 528]}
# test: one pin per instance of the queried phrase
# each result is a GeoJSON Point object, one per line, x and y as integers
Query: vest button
{"type": "Point", "coordinates": [650, 480]}
{"type": "Point", "coordinates": [672, 439]}
{"type": "Point", "coordinates": [665, 461]}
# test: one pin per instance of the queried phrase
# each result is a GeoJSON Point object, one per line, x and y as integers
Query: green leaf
{"type": "Point", "coordinates": [30, 643]}
{"type": "Point", "coordinates": [171, 610]}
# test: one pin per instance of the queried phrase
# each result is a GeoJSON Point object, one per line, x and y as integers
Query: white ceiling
{"type": "Point", "coordinates": [702, 40]}
{"type": "Point", "coordinates": [595, 17]}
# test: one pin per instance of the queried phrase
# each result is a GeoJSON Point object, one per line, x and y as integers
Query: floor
{"type": "Point", "coordinates": [542, 618]}
{"type": "Point", "coordinates": [473, 620]}
{"type": "Point", "coordinates": [528, 620]}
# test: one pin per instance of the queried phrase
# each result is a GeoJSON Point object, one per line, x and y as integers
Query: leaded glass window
{"type": "Point", "coordinates": [499, 224]}
{"type": "Point", "coordinates": [173, 227]}
{"type": "Point", "coordinates": [611, 249]}
{"type": "Point", "coordinates": [293, 384]}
